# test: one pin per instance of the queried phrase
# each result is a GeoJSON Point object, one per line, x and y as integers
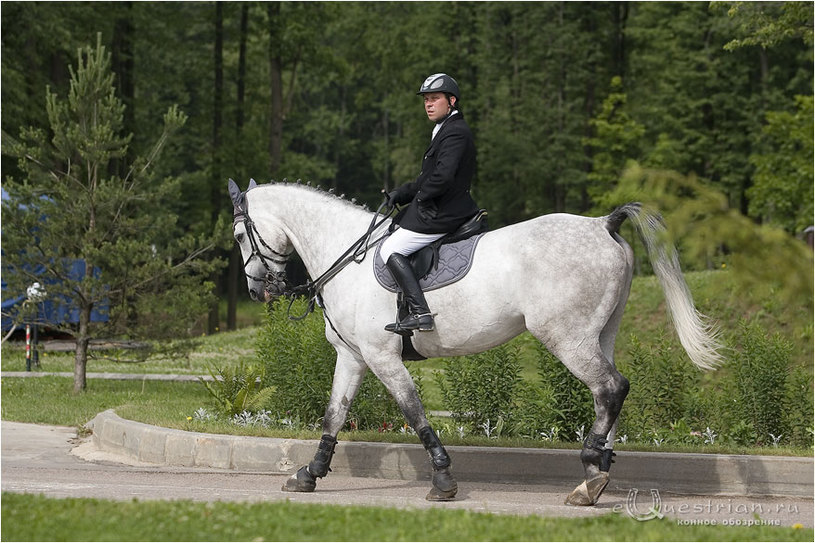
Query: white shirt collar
{"type": "Point", "coordinates": [439, 125]}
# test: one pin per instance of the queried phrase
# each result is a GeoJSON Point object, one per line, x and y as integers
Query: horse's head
{"type": "Point", "coordinates": [264, 246]}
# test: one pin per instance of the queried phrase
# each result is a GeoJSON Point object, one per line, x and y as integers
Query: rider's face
{"type": "Point", "coordinates": [436, 105]}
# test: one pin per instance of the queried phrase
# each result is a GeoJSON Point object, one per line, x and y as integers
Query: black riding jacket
{"type": "Point", "coordinates": [440, 198]}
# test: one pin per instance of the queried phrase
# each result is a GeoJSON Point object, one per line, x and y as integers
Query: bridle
{"type": "Point", "coordinates": [275, 279]}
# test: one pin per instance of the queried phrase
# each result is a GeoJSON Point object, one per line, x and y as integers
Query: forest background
{"type": "Point", "coordinates": [561, 97]}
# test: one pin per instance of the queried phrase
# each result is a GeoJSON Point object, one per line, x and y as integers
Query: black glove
{"type": "Point", "coordinates": [401, 195]}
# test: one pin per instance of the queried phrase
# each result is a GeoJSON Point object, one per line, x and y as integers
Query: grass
{"type": "Point", "coordinates": [23, 400]}
{"type": "Point", "coordinates": [37, 518]}
{"type": "Point", "coordinates": [172, 404]}
{"type": "Point", "coordinates": [225, 348]}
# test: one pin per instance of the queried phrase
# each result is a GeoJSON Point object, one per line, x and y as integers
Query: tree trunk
{"type": "Point", "coordinates": [386, 130]}
{"type": "Point", "coordinates": [81, 353]}
{"type": "Point", "coordinates": [620, 11]}
{"type": "Point", "coordinates": [276, 84]}
{"type": "Point", "coordinates": [215, 184]}
{"type": "Point", "coordinates": [234, 273]}
{"type": "Point", "coordinates": [122, 64]}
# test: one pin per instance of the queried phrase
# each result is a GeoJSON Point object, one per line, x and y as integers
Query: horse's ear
{"type": "Point", "coordinates": [252, 184]}
{"type": "Point", "coordinates": [234, 193]}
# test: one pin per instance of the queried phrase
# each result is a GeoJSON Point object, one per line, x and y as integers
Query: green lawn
{"type": "Point", "coordinates": [36, 518]}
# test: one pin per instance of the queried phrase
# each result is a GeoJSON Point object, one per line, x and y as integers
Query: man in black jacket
{"type": "Point", "coordinates": [438, 200]}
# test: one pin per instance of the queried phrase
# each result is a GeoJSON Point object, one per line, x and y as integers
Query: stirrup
{"type": "Point", "coordinates": [405, 327]}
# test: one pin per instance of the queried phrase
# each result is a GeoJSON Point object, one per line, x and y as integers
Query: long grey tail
{"type": "Point", "coordinates": [698, 337]}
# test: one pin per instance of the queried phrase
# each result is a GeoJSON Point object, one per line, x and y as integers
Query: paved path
{"type": "Point", "coordinates": [39, 459]}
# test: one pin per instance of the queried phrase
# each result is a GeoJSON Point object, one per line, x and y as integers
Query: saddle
{"type": "Point", "coordinates": [427, 258]}
{"type": "Point", "coordinates": [444, 261]}
{"type": "Point", "coordinates": [453, 253]}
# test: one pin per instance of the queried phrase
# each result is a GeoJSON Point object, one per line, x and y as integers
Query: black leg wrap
{"type": "Point", "coordinates": [607, 460]}
{"type": "Point", "coordinates": [593, 449]}
{"type": "Point", "coordinates": [434, 448]}
{"type": "Point", "coordinates": [596, 460]}
{"type": "Point", "coordinates": [444, 485]}
{"type": "Point", "coordinates": [321, 465]}
{"type": "Point", "coordinates": [595, 441]}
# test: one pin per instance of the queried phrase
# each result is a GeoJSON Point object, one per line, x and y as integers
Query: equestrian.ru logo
{"type": "Point", "coordinates": [650, 514]}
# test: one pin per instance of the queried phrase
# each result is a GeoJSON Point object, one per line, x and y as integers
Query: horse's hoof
{"type": "Point", "coordinates": [444, 486]}
{"type": "Point", "coordinates": [436, 495]}
{"type": "Point", "coordinates": [588, 492]}
{"type": "Point", "coordinates": [302, 481]}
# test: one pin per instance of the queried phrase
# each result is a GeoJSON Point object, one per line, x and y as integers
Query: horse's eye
{"type": "Point", "coordinates": [239, 238]}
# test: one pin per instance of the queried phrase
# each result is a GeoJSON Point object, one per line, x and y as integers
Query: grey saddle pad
{"type": "Point", "coordinates": [455, 260]}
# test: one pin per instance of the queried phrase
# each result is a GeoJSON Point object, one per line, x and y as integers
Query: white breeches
{"type": "Point", "coordinates": [405, 242]}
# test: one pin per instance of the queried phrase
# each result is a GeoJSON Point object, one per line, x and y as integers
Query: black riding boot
{"type": "Point", "coordinates": [419, 317]}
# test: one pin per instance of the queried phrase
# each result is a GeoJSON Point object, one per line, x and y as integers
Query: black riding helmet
{"type": "Point", "coordinates": [440, 83]}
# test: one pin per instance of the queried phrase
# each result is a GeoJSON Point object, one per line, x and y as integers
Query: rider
{"type": "Point", "coordinates": [439, 199]}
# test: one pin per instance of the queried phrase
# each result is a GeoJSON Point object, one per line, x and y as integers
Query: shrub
{"type": "Point", "coordinates": [239, 389]}
{"type": "Point", "coordinates": [760, 368]}
{"type": "Point", "coordinates": [661, 380]}
{"type": "Point", "coordinates": [479, 389]}
{"type": "Point", "coordinates": [375, 408]}
{"type": "Point", "coordinates": [572, 402]}
{"type": "Point", "coordinates": [299, 363]}
{"type": "Point", "coordinates": [536, 414]}
{"type": "Point", "coordinates": [798, 409]}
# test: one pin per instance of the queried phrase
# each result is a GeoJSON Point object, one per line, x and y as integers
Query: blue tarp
{"type": "Point", "coordinates": [49, 312]}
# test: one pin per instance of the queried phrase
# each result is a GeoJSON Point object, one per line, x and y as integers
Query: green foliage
{"type": "Point", "coordinates": [782, 191]}
{"type": "Point", "coordinates": [756, 400]}
{"type": "Point", "coordinates": [571, 399]}
{"type": "Point", "coordinates": [799, 417]}
{"type": "Point", "coordinates": [375, 408]}
{"type": "Point", "coordinates": [299, 363]}
{"type": "Point", "coordinates": [479, 389]}
{"type": "Point", "coordinates": [761, 368]}
{"type": "Point", "coordinates": [768, 24]}
{"type": "Point", "coordinates": [238, 389]}
{"type": "Point", "coordinates": [616, 139]}
{"type": "Point", "coordinates": [553, 407]}
{"type": "Point", "coordinates": [71, 206]}
{"type": "Point", "coordinates": [660, 376]}
{"type": "Point", "coordinates": [534, 77]}
{"type": "Point", "coordinates": [712, 234]}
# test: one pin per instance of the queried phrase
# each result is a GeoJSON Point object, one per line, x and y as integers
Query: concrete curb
{"type": "Point", "coordinates": [695, 474]}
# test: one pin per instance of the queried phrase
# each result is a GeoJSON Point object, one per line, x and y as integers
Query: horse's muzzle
{"type": "Point", "coordinates": [275, 284]}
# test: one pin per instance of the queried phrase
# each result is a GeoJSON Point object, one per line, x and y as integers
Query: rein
{"type": "Point", "coordinates": [356, 253]}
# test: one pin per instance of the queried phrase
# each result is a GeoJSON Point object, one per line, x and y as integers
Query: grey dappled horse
{"type": "Point", "coordinates": [565, 278]}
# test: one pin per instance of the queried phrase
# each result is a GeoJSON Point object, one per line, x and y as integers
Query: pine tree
{"type": "Point", "coordinates": [93, 240]}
